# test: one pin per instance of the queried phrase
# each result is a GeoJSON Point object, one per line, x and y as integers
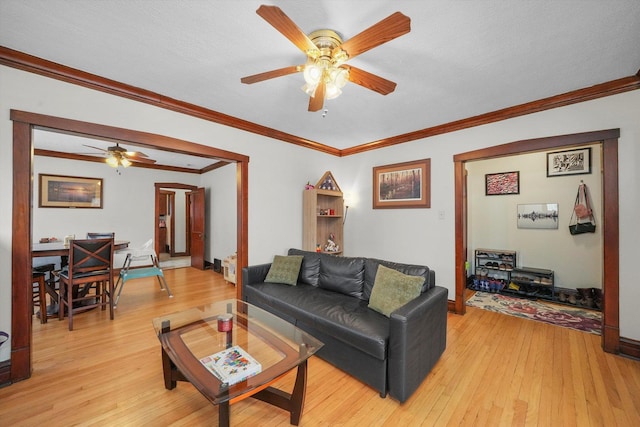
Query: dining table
{"type": "Point", "coordinates": [58, 248]}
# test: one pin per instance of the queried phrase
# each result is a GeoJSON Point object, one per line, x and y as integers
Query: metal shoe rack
{"type": "Point", "coordinates": [497, 271]}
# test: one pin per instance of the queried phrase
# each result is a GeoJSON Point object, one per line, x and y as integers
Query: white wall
{"type": "Point", "coordinates": [420, 235]}
{"type": "Point", "coordinates": [492, 220]}
{"type": "Point", "coordinates": [278, 172]}
{"type": "Point", "coordinates": [128, 201]}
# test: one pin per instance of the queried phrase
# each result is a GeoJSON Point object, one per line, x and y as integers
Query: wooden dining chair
{"type": "Point", "coordinates": [101, 235]}
{"type": "Point", "coordinates": [88, 283]}
{"type": "Point", "coordinates": [43, 275]}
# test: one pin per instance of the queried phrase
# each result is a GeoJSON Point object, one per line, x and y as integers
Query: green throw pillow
{"type": "Point", "coordinates": [392, 290]}
{"type": "Point", "coordinates": [284, 269]}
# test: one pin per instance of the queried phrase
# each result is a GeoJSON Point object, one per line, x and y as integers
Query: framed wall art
{"type": "Point", "coordinates": [402, 185]}
{"type": "Point", "coordinates": [58, 191]}
{"type": "Point", "coordinates": [538, 215]}
{"type": "Point", "coordinates": [569, 162]}
{"type": "Point", "coordinates": [497, 184]}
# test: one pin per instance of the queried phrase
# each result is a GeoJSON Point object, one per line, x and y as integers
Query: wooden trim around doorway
{"type": "Point", "coordinates": [23, 124]}
{"type": "Point", "coordinates": [610, 221]}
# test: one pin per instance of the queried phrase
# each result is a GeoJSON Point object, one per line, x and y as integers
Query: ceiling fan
{"type": "Point", "coordinates": [118, 156]}
{"type": "Point", "coordinates": [325, 71]}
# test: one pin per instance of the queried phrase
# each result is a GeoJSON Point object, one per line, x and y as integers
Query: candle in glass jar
{"type": "Point", "coordinates": [225, 322]}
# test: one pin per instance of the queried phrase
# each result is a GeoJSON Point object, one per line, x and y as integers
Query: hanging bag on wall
{"type": "Point", "coordinates": [582, 210]}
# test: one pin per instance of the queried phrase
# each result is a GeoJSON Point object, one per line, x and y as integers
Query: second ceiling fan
{"type": "Point", "coordinates": [325, 71]}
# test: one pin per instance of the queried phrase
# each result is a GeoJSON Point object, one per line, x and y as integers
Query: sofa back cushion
{"type": "Point", "coordinates": [310, 269]}
{"type": "Point", "coordinates": [371, 269]}
{"type": "Point", "coordinates": [342, 274]}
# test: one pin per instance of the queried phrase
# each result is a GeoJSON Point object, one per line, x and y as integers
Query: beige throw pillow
{"type": "Point", "coordinates": [284, 269]}
{"type": "Point", "coordinates": [392, 289]}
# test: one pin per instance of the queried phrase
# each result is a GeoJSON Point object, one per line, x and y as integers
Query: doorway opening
{"type": "Point", "coordinates": [610, 277]}
{"type": "Point", "coordinates": [23, 125]}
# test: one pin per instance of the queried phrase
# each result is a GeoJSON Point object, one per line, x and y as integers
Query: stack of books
{"type": "Point", "coordinates": [232, 365]}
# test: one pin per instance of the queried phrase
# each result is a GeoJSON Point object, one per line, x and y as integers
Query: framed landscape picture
{"type": "Point", "coordinates": [402, 185]}
{"type": "Point", "coordinates": [569, 162]}
{"type": "Point", "coordinates": [497, 184]}
{"type": "Point", "coordinates": [58, 191]}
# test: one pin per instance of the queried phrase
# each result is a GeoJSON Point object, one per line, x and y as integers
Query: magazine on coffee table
{"type": "Point", "coordinates": [232, 365]}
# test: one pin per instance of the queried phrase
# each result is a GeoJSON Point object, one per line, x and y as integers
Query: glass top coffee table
{"type": "Point", "coordinates": [231, 350]}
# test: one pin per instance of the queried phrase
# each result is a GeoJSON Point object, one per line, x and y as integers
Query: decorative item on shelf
{"type": "Point", "coordinates": [327, 182]}
{"type": "Point", "coordinates": [308, 186]}
{"type": "Point", "coordinates": [318, 248]}
{"type": "Point", "coordinates": [331, 245]}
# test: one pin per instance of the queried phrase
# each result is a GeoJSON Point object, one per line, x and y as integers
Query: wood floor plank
{"type": "Point", "coordinates": [497, 370]}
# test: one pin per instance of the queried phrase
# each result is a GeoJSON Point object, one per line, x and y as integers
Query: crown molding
{"type": "Point", "coordinates": [601, 90]}
{"type": "Point", "coordinates": [22, 61]}
{"type": "Point", "coordinates": [29, 63]}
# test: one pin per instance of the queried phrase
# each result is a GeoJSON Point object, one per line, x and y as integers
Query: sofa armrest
{"type": "Point", "coordinates": [254, 274]}
{"type": "Point", "coordinates": [417, 339]}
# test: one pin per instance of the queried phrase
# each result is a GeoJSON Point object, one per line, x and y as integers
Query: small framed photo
{"type": "Point", "coordinates": [538, 215]}
{"type": "Point", "coordinates": [402, 185]}
{"type": "Point", "coordinates": [570, 162]}
{"type": "Point", "coordinates": [57, 191]}
{"type": "Point", "coordinates": [497, 184]}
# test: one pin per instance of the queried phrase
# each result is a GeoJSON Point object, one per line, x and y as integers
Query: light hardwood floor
{"type": "Point", "coordinates": [497, 370]}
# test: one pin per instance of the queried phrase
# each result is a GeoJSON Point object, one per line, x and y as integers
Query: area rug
{"type": "Point", "coordinates": [567, 317]}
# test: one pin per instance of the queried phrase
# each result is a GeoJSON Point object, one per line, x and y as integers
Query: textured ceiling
{"type": "Point", "coordinates": [461, 58]}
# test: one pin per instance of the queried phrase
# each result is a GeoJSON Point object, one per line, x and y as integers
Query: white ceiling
{"type": "Point", "coordinates": [461, 58]}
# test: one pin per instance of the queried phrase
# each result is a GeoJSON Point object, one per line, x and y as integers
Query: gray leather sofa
{"type": "Point", "coordinates": [330, 301]}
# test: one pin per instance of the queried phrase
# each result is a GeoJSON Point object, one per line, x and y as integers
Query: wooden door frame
{"type": "Point", "coordinates": [610, 221]}
{"type": "Point", "coordinates": [23, 125]}
{"type": "Point", "coordinates": [175, 185]}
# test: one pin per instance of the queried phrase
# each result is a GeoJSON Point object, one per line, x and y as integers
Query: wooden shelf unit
{"type": "Point", "coordinates": [317, 225]}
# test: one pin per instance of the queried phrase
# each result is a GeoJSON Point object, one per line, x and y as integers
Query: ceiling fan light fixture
{"type": "Point", "coordinates": [339, 77]}
{"type": "Point", "coordinates": [312, 73]}
{"type": "Point", "coordinates": [332, 92]}
{"type": "Point", "coordinates": [310, 89]}
{"type": "Point", "coordinates": [116, 159]}
{"type": "Point", "coordinates": [112, 161]}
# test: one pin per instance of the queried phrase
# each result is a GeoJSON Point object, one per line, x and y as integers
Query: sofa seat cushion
{"type": "Point", "coordinates": [346, 318]}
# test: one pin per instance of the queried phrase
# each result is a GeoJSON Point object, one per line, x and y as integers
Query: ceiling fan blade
{"type": "Point", "coordinates": [97, 148]}
{"type": "Point", "coordinates": [141, 160]}
{"type": "Point", "coordinates": [271, 74]}
{"type": "Point", "coordinates": [317, 100]}
{"type": "Point", "coordinates": [281, 22]}
{"type": "Point", "coordinates": [386, 30]}
{"type": "Point", "coordinates": [371, 81]}
{"type": "Point", "coordinates": [135, 154]}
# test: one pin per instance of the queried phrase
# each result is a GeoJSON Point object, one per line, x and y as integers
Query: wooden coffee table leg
{"type": "Point", "coordinates": [168, 369]}
{"type": "Point", "coordinates": [223, 414]}
{"type": "Point", "coordinates": [299, 391]}
{"type": "Point", "coordinates": [293, 402]}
